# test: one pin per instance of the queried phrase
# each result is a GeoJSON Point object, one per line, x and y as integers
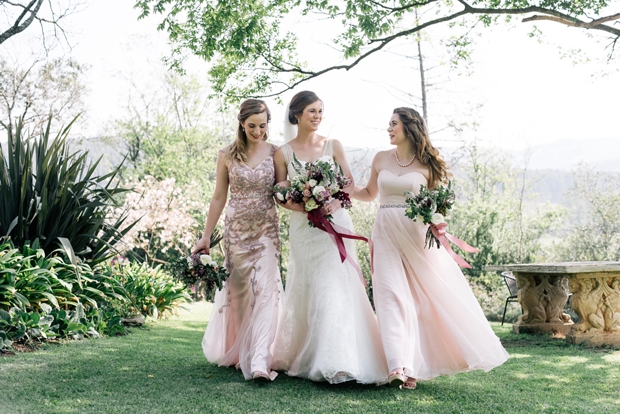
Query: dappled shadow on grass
{"type": "Point", "coordinates": [161, 369]}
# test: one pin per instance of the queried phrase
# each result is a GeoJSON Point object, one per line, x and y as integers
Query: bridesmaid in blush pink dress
{"type": "Point", "coordinates": [244, 318]}
{"type": "Point", "coordinates": [430, 322]}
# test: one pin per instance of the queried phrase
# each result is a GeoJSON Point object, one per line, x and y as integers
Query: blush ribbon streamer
{"type": "Point", "coordinates": [445, 239]}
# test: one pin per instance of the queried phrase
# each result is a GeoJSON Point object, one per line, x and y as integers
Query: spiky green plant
{"type": "Point", "coordinates": [49, 192]}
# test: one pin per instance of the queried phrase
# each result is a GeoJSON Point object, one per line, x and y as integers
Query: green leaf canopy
{"type": "Point", "coordinates": [251, 56]}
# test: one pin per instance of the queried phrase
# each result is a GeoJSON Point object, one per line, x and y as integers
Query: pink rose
{"type": "Point", "coordinates": [307, 193]}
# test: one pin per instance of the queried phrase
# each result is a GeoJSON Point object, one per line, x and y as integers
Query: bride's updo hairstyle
{"type": "Point", "coordinates": [298, 103]}
{"type": "Point", "coordinates": [238, 150]}
{"type": "Point", "coordinates": [417, 134]}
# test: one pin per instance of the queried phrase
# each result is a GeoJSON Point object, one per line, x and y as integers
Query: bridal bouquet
{"type": "Point", "coordinates": [195, 268]}
{"type": "Point", "coordinates": [430, 207]}
{"type": "Point", "coordinates": [316, 184]}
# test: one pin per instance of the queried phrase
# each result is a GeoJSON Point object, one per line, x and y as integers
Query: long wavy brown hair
{"type": "Point", "coordinates": [417, 134]}
{"type": "Point", "coordinates": [238, 150]}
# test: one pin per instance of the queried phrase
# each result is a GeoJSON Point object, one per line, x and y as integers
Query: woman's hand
{"type": "Point", "coordinates": [331, 207]}
{"type": "Point", "coordinates": [202, 245]}
{"type": "Point", "coordinates": [296, 207]}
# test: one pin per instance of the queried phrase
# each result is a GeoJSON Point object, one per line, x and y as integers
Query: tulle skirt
{"type": "Point", "coordinates": [431, 324]}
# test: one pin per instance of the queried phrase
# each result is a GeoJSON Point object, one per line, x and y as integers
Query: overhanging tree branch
{"type": "Point", "coordinates": [21, 15]}
{"type": "Point", "coordinates": [20, 24]}
{"type": "Point", "coordinates": [367, 26]}
{"type": "Point", "coordinates": [596, 24]}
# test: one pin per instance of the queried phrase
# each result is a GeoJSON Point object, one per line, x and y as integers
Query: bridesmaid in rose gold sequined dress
{"type": "Point", "coordinates": [245, 313]}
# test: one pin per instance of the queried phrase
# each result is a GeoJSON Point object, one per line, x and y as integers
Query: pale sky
{"type": "Point", "coordinates": [521, 93]}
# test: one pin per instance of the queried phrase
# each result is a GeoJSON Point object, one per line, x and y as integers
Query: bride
{"type": "Point", "coordinates": [328, 331]}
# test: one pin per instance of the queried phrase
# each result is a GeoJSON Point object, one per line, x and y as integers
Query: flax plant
{"type": "Point", "coordinates": [50, 193]}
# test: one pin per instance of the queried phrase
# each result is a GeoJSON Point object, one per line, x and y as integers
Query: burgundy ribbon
{"type": "Point", "coordinates": [338, 234]}
{"type": "Point", "coordinates": [443, 238]}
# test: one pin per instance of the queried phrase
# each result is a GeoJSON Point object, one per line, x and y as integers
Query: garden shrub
{"type": "Point", "coordinates": [46, 296]}
{"type": "Point", "coordinates": [151, 291]}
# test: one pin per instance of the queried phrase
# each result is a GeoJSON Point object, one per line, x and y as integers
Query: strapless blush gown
{"type": "Point", "coordinates": [431, 324]}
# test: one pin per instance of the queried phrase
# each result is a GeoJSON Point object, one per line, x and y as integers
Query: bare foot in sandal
{"type": "Point", "coordinates": [410, 384]}
{"type": "Point", "coordinates": [396, 378]}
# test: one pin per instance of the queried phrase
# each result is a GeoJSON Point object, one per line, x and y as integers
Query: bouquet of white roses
{"type": "Point", "coordinates": [316, 184]}
{"type": "Point", "coordinates": [430, 207]}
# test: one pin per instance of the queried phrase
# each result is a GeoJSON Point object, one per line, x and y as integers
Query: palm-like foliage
{"type": "Point", "coordinates": [47, 191]}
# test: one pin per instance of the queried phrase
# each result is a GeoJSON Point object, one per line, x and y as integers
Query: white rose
{"type": "Point", "coordinates": [279, 196]}
{"type": "Point", "coordinates": [419, 218]}
{"type": "Point", "coordinates": [205, 259]}
{"type": "Point", "coordinates": [312, 182]}
{"type": "Point", "coordinates": [333, 189]}
{"type": "Point", "coordinates": [318, 189]}
{"type": "Point", "coordinates": [437, 218]}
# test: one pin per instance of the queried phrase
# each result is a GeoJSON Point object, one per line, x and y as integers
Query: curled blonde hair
{"type": "Point", "coordinates": [237, 151]}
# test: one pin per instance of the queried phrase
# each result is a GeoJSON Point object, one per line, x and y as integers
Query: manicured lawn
{"type": "Point", "coordinates": [161, 369]}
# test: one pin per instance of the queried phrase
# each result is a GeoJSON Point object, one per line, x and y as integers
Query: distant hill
{"type": "Point", "coordinates": [550, 165]}
{"type": "Point", "coordinates": [603, 154]}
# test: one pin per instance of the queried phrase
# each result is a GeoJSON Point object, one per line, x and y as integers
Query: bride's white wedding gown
{"type": "Point", "coordinates": [328, 331]}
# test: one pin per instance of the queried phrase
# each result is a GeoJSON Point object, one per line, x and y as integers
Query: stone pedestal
{"type": "Point", "coordinates": [596, 300]}
{"type": "Point", "coordinates": [595, 288]}
{"type": "Point", "coordinates": [542, 297]}
{"type": "Point", "coordinates": [594, 339]}
{"type": "Point", "coordinates": [541, 328]}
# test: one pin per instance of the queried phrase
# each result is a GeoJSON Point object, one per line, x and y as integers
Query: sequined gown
{"type": "Point", "coordinates": [431, 324]}
{"type": "Point", "coordinates": [328, 331]}
{"type": "Point", "coordinates": [245, 312]}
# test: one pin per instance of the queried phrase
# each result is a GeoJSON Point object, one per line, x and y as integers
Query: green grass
{"type": "Point", "coordinates": [161, 369]}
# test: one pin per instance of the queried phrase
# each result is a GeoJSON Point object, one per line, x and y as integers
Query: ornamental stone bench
{"type": "Point", "coordinates": [543, 292]}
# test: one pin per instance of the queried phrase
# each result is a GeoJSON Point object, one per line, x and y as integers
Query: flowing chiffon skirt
{"type": "Point", "coordinates": [430, 321]}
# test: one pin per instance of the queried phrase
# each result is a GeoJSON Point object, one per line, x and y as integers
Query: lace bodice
{"type": "Point", "coordinates": [328, 151]}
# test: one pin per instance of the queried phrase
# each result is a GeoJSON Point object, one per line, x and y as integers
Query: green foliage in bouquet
{"type": "Point", "coordinates": [48, 192]}
{"type": "Point", "coordinates": [430, 207]}
{"type": "Point", "coordinates": [200, 269]}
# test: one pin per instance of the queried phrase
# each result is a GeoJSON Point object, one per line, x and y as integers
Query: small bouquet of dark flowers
{"type": "Point", "coordinates": [197, 268]}
{"type": "Point", "coordinates": [317, 184]}
{"type": "Point", "coordinates": [430, 207]}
